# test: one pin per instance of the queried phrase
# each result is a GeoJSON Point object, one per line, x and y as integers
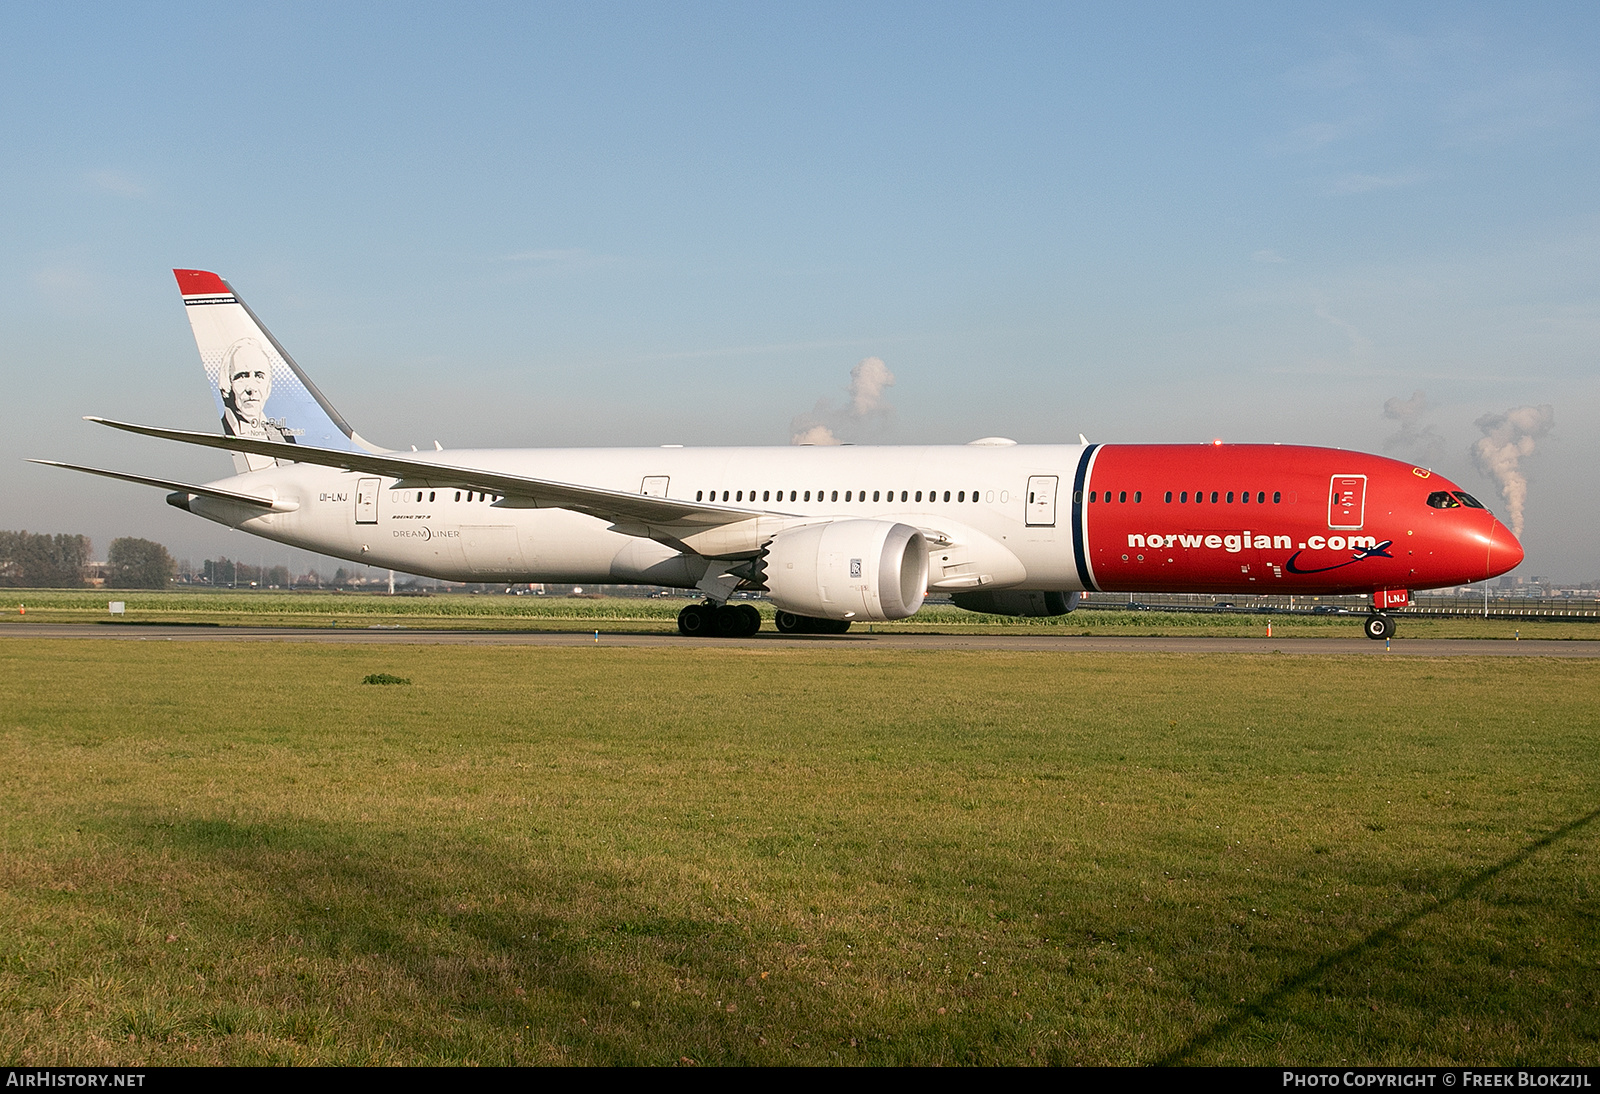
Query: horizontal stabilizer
{"type": "Point", "coordinates": [272, 504]}
{"type": "Point", "coordinates": [518, 491]}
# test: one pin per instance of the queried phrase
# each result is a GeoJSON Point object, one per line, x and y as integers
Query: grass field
{"type": "Point", "coordinates": [240, 853]}
{"type": "Point", "coordinates": [619, 615]}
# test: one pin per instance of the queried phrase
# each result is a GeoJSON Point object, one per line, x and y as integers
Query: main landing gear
{"type": "Point", "coordinates": [723, 621]}
{"type": "Point", "coordinates": [742, 621]}
{"type": "Point", "coordinates": [1379, 626]}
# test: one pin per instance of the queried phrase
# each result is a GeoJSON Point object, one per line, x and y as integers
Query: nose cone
{"type": "Point", "coordinates": [1505, 553]}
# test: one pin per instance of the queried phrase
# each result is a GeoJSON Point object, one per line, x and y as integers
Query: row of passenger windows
{"type": "Point", "coordinates": [1218, 497]}
{"type": "Point", "coordinates": [472, 495]}
{"type": "Point", "coordinates": [1226, 497]}
{"type": "Point", "coordinates": [832, 495]}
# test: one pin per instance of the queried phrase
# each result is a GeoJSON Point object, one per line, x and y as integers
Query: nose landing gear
{"type": "Point", "coordinates": [1379, 626]}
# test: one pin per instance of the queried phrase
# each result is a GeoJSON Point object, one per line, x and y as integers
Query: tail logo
{"type": "Point", "coordinates": [245, 384]}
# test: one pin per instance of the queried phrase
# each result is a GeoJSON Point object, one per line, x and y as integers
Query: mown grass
{"type": "Point", "coordinates": [628, 615]}
{"type": "Point", "coordinates": [220, 853]}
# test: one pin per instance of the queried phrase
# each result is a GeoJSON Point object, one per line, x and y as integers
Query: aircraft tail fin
{"type": "Point", "coordinates": [258, 388]}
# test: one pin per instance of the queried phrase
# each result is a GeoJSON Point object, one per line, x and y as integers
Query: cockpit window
{"type": "Point", "coordinates": [1469, 501]}
{"type": "Point", "coordinates": [1443, 499]}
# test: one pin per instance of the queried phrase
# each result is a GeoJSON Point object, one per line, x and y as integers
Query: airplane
{"type": "Point", "coordinates": [832, 535]}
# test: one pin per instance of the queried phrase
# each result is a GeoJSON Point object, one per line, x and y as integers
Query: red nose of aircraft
{"type": "Point", "coordinates": [1505, 553]}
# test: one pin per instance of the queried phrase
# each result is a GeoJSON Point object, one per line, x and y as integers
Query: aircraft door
{"type": "Point", "coordinates": [1042, 501]}
{"type": "Point", "coordinates": [1347, 501]}
{"type": "Point", "coordinates": [367, 501]}
{"type": "Point", "coordinates": [654, 486]}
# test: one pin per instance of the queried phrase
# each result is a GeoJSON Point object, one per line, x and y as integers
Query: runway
{"type": "Point", "coordinates": [768, 640]}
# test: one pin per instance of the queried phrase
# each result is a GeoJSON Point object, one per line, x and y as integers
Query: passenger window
{"type": "Point", "coordinates": [1230, 497]}
{"type": "Point", "coordinates": [458, 495]}
{"type": "Point", "coordinates": [1168, 498]}
{"type": "Point", "coordinates": [1123, 496]}
{"type": "Point", "coordinates": [1183, 498]}
{"type": "Point", "coordinates": [961, 495]}
{"type": "Point", "coordinates": [1094, 495]}
{"type": "Point", "coordinates": [919, 495]}
{"type": "Point", "coordinates": [875, 495]}
{"type": "Point", "coordinates": [766, 495]}
{"type": "Point", "coordinates": [1138, 497]}
{"type": "Point", "coordinates": [1213, 497]}
{"type": "Point", "coordinates": [903, 496]}
{"type": "Point", "coordinates": [1276, 497]}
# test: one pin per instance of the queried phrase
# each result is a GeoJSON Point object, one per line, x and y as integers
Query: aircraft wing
{"type": "Point", "coordinates": [518, 490]}
{"type": "Point", "coordinates": [181, 487]}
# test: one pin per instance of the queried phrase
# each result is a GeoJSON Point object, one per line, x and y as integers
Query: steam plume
{"type": "Point", "coordinates": [868, 381]}
{"type": "Point", "coordinates": [817, 434]}
{"type": "Point", "coordinates": [1421, 442]}
{"type": "Point", "coordinates": [1498, 453]}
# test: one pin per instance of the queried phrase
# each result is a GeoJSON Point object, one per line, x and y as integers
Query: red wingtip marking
{"type": "Point", "coordinates": [199, 282]}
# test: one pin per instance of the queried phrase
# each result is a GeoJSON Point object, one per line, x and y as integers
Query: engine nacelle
{"type": "Point", "coordinates": [1017, 602]}
{"type": "Point", "coordinates": [848, 569]}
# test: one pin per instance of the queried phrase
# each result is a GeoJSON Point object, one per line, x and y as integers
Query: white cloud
{"type": "Point", "coordinates": [118, 183]}
{"type": "Point", "coordinates": [1355, 183]}
{"type": "Point", "coordinates": [549, 254]}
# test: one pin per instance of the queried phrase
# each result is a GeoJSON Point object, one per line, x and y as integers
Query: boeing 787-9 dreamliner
{"type": "Point", "coordinates": [831, 535]}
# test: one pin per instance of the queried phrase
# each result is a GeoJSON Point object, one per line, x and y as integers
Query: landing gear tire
{"type": "Point", "coordinates": [790, 623]}
{"type": "Point", "coordinates": [752, 619]}
{"type": "Point", "coordinates": [737, 621]}
{"type": "Point", "coordinates": [1379, 626]}
{"type": "Point", "coordinates": [695, 621]}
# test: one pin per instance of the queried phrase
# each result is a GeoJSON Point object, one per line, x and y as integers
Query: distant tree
{"type": "Point", "coordinates": [43, 561]}
{"type": "Point", "coordinates": [218, 571]}
{"type": "Point", "coordinates": [139, 564]}
{"type": "Point", "coordinates": [341, 577]}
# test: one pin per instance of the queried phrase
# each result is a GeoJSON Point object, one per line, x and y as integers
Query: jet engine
{"type": "Point", "coordinates": [1017, 602]}
{"type": "Point", "coordinates": [848, 569]}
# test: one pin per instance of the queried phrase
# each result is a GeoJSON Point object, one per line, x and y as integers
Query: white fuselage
{"type": "Point", "coordinates": [973, 500]}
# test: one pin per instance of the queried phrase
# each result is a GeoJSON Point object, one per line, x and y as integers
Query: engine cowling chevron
{"type": "Point", "coordinates": [848, 569]}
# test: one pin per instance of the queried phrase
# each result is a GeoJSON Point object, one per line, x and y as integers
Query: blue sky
{"type": "Point", "coordinates": [525, 225]}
